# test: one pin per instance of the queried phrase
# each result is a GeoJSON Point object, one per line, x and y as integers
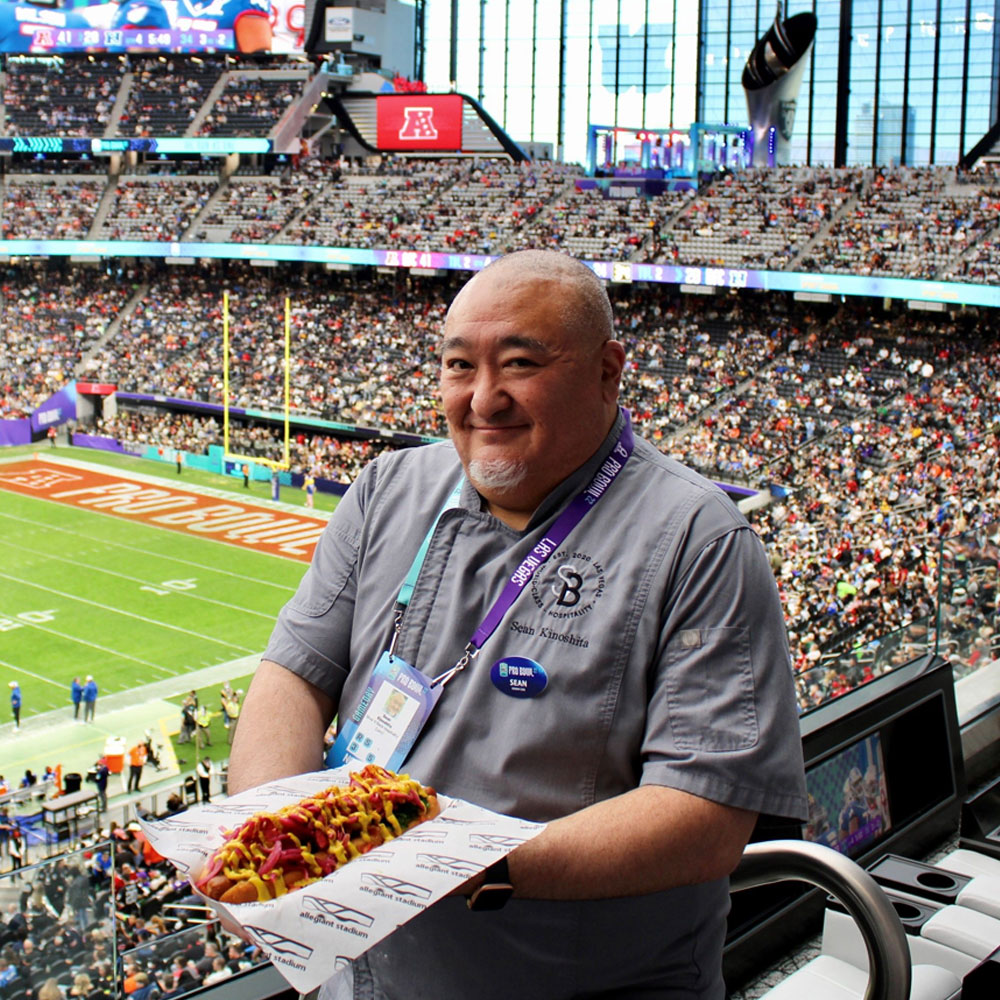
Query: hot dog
{"type": "Point", "coordinates": [272, 853]}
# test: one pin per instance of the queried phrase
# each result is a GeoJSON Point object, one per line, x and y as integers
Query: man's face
{"type": "Point", "coordinates": [527, 400]}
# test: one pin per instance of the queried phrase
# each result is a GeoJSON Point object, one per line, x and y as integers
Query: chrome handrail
{"type": "Point", "coordinates": [770, 861]}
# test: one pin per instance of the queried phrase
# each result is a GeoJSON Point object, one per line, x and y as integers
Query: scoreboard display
{"type": "Point", "coordinates": [42, 27]}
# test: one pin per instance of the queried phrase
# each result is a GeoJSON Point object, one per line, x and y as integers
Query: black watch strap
{"type": "Point", "coordinates": [496, 888]}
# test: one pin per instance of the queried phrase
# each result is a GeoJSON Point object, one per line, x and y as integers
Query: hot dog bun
{"type": "Point", "coordinates": [273, 853]}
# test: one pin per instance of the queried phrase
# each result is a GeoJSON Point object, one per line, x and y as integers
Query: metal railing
{"type": "Point", "coordinates": [888, 953]}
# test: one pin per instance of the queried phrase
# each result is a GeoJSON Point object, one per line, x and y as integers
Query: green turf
{"type": "Point", "coordinates": [87, 593]}
{"type": "Point", "coordinates": [218, 750]}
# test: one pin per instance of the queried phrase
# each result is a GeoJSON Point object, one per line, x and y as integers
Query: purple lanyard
{"type": "Point", "coordinates": [577, 509]}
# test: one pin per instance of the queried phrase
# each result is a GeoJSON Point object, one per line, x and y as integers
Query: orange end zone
{"type": "Point", "coordinates": [252, 526]}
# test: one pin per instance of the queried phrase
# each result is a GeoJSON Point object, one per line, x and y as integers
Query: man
{"type": "Point", "coordinates": [17, 850]}
{"type": "Point", "coordinates": [76, 696]}
{"type": "Point", "coordinates": [189, 720]}
{"type": "Point", "coordinates": [15, 703]}
{"type": "Point", "coordinates": [233, 709]}
{"type": "Point", "coordinates": [89, 699]}
{"type": "Point", "coordinates": [203, 718]}
{"type": "Point", "coordinates": [136, 760]}
{"type": "Point", "coordinates": [663, 717]}
{"type": "Point", "coordinates": [204, 771]}
{"type": "Point", "coordinates": [101, 774]}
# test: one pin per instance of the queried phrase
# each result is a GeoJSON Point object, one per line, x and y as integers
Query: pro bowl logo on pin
{"type": "Point", "coordinates": [519, 677]}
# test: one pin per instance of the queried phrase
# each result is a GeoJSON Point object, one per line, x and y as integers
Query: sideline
{"type": "Point", "coordinates": [172, 687]}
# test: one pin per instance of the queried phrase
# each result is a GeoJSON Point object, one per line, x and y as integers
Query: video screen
{"type": "Point", "coordinates": [59, 26]}
{"type": "Point", "coordinates": [848, 798]}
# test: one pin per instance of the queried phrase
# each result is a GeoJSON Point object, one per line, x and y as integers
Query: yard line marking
{"type": "Point", "coordinates": [103, 649]}
{"type": "Point", "coordinates": [149, 583]}
{"type": "Point", "coordinates": [127, 614]}
{"type": "Point", "coordinates": [38, 677]}
{"type": "Point", "coordinates": [147, 552]}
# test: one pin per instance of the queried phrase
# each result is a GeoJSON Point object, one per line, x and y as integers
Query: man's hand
{"type": "Point", "coordinates": [647, 840]}
{"type": "Point", "coordinates": [281, 728]}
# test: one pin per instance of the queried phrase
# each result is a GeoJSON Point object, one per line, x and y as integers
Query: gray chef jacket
{"type": "Point", "coordinates": [659, 628]}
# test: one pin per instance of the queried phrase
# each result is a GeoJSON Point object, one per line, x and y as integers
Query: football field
{"type": "Point", "coordinates": [132, 578]}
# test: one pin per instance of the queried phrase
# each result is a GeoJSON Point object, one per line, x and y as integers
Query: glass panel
{"type": "Point", "coordinates": [188, 959]}
{"type": "Point", "coordinates": [968, 611]}
{"type": "Point", "coordinates": [659, 38]}
{"type": "Point", "coordinates": [824, 88]}
{"type": "Point", "coordinates": [892, 71]}
{"type": "Point", "coordinates": [981, 99]}
{"type": "Point", "coordinates": [468, 49]}
{"type": "Point", "coordinates": [546, 111]}
{"type": "Point", "coordinates": [437, 46]}
{"type": "Point", "coordinates": [576, 104]}
{"type": "Point", "coordinates": [685, 62]}
{"type": "Point", "coordinates": [923, 35]}
{"type": "Point", "coordinates": [495, 65]}
{"type": "Point", "coordinates": [62, 928]}
{"type": "Point", "coordinates": [864, 56]}
{"type": "Point", "coordinates": [857, 660]}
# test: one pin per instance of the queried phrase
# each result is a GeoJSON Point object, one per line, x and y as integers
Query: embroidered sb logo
{"type": "Point", "coordinates": [568, 594]}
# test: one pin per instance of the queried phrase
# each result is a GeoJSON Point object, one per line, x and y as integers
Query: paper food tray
{"type": "Point", "coordinates": [313, 932]}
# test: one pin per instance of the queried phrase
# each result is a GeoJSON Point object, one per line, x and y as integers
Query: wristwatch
{"type": "Point", "coordinates": [495, 890]}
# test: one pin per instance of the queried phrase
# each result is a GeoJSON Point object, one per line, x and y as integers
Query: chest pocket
{"type": "Point", "coordinates": [710, 690]}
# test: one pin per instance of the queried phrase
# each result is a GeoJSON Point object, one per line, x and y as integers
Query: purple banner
{"type": "Point", "coordinates": [100, 443]}
{"type": "Point", "coordinates": [56, 410]}
{"type": "Point", "coordinates": [15, 432]}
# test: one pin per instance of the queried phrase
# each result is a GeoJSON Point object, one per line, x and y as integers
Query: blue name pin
{"type": "Point", "coordinates": [519, 677]}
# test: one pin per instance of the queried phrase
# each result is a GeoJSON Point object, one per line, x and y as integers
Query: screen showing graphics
{"type": "Point", "coordinates": [848, 798]}
{"type": "Point", "coordinates": [59, 26]}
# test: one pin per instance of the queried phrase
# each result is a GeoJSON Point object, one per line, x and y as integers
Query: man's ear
{"type": "Point", "coordinates": [612, 365]}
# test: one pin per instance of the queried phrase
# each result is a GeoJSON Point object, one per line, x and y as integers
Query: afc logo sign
{"type": "Point", "coordinates": [418, 124]}
{"type": "Point", "coordinates": [419, 121]}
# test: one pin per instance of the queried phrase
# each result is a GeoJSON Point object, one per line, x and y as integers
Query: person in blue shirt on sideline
{"type": "Point", "coordinates": [15, 703]}
{"type": "Point", "coordinates": [76, 696]}
{"type": "Point", "coordinates": [89, 699]}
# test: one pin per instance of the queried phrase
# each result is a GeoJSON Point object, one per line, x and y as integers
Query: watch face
{"type": "Point", "coordinates": [490, 896]}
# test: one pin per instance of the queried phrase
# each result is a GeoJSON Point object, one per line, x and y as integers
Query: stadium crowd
{"type": "Point", "coordinates": [250, 105]}
{"type": "Point", "coordinates": [165, 98]}
{"type": "Point", "coordinates": [61, 209]}
{"type": "Point", "coordinates": [918, 222]}
{"type": "Point", "coordinates": [50, 321]}
{"type": "Point", "coordinates": [878, 432]}
{"type": "Point", "coordinates": [113, 903]}
{"type": "Point", "coordinates": [323, 456]}
{"type": "Point", "coordinates": [56, 97]}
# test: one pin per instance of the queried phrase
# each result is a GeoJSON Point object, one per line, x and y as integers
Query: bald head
{"type": "Point", "coordinates": [582, 300]}
{"type": "Point", "coordinates": [529, 377]}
